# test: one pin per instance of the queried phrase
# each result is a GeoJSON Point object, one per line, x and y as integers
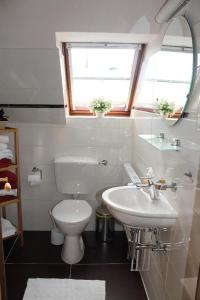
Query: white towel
{"type": "Point", "coordinates": [7, 228]}
{"type": "Point", "coordinates": [4, 139]}
{"type": "Point", "coordinates": [64, 289]}
{"type": "Point", "coordinates": [3, 146]}
{"type": "Point", "coordinates": [6, 153]}
{"type": "Point", "coordinates": [12, 192]}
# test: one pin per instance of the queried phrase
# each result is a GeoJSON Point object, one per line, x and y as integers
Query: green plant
{"type": "Point", "coordinates": [3, 117]}
{"type": "Point", "coordinates": [165, 108]}
{"type": "Point", "coordinates": [100, 105]}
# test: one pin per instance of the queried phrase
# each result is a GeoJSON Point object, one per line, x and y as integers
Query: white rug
{"type": "Point", "coordinates": [64, 289]}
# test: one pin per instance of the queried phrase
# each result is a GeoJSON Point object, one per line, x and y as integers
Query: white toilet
{"type": "Point", "coordinates": [74, 175]}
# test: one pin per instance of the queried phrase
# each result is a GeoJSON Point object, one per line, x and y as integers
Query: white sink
{"type": "Point", "coordinates": [133, 206]}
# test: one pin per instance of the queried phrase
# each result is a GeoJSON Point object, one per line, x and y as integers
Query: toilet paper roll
{"type": "Point", "coordinates": [34, 179]}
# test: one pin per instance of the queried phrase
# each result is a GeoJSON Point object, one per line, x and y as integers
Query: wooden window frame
{"type": "Point", "coordinates": [113, 113]}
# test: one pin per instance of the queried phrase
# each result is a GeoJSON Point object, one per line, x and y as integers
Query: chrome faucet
{"type": "Point", "coordinates": [149, 187]}
{"type": "Point", "coordinates": [154, 188]}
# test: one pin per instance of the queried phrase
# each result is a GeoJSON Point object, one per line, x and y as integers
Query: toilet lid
{"type": "Point", "coordinates": [72, 211]}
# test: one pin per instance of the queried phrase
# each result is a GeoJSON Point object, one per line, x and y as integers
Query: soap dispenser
{"type": "Point", "coordinates": [150, 172]}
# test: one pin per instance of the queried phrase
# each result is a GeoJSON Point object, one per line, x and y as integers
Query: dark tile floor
{"type": "Point", "coordinates": [38, 258]}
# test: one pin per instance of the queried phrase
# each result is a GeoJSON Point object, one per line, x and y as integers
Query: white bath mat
{"type": "Point", "coordinates": [64, 289]}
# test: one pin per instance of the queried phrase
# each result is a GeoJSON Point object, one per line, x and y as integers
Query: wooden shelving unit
{"type": "Point", "coordinates": [3, 287]}
{"type": "Point", "coordinates": [9, 201]}
{"type": "Point", "coordinates": [12, 200]}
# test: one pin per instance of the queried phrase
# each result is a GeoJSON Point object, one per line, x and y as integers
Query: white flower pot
{"type": "Point", "coordinates": [99, 114]}
{"type": "Point", "coordinates": [164, 115]}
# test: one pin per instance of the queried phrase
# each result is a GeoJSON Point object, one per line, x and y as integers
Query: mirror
{"type": "Point", "coordinates": [170, 73]}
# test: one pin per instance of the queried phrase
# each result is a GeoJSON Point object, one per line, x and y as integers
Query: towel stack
{"type": "Point", "coordinates": [6, 155]}
{"type": "Point", "coordinates": [4, 140]}
{"type": "Point", "coordinates": [12, 192]}
{"type": "Point", "coordinates": [12, 179]}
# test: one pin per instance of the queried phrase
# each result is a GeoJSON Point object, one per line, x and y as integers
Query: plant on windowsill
{"type": "Point", "coordinates": [3, 119]}
{"type": "Point", "coordinates": [100, 106]}
{"type": "Point", "coordinates": [165, 109]}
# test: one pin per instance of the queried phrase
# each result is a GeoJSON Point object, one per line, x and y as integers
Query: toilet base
{"type": "Point", "coordinates": [73, 249]}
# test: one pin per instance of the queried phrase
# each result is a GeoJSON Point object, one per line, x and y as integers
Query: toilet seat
{"type": "Point", "coordinates": [72, 211]}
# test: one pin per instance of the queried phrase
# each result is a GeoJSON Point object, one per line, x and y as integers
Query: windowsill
{"type": "Point", "coordinates": [88, 114]}
{"type": "Point", "coordinates": [94, 117]}
{"type": "Point", "coordinates": [152, 111]}
{"type": "Point", "coordinates": [146, 109]}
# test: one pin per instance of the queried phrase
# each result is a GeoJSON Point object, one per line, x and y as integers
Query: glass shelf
{"type": "Point", "coordinates": [159, 143]}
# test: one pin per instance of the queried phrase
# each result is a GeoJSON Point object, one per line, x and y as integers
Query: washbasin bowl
{"type": "Point", "coordinates": [134, 207]}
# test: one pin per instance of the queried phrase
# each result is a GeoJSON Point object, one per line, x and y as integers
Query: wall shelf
{"type": "Point", "coordinates": [159, 143]}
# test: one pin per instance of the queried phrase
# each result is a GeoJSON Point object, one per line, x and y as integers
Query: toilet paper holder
{"type": "Point", "coordinates": [36, 170]}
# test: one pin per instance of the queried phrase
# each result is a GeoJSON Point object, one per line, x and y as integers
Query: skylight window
{"type": "Point", "coordinates": [101, 70]}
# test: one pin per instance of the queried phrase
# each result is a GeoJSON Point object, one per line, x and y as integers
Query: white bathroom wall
{"type": "Point", "coordinates": [108, 139]}
{"type": "Point", "coordinates": [165, 279]}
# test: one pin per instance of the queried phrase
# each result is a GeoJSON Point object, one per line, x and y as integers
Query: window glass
{"type": "Point", "coordinates": [164, 82]}
{"type": "Point", "coordinates": [101, 72]}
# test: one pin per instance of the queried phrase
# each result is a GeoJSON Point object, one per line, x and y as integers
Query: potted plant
{"type": "Point", "coordinates": [165, 108]}
{"type": "Point", "coordinates": [100, 106]}
{"type": "Point", "coordinates": [3, 119]}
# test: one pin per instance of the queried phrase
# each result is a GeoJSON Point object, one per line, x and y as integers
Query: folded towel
{"type": "Point", "coordinates": [12, 179]}
{"type": "Point", "coordinates": [4, 139]}
{"type": "Point", "coordinates": [5, 162]}
{"type": "Point", "coordinates": [7, 198]}
{"type": "Point", "coordinates": [7, 228]}
{"type": "Point", "coordinates": [6, 153]}
{"type": "Point", "coordinates": [12, 192]}
{"type": "Point", "coordinates": [3, 146]}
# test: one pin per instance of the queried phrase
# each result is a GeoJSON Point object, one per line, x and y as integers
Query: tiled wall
{"type": "Point", "coordinates": [108, 139]}
{"type": "Point", "coordinates": [193, 258]}
{"type": "Point", "coordinates": [163, 280]}
{"type": "Point", "coordinates": [166, 278]}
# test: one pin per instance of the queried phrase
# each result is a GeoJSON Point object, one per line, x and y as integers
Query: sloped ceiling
{"type": "Point", "coordinates": [29, 60]}
{"type": "Point", "coordinates": [33, 23]}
